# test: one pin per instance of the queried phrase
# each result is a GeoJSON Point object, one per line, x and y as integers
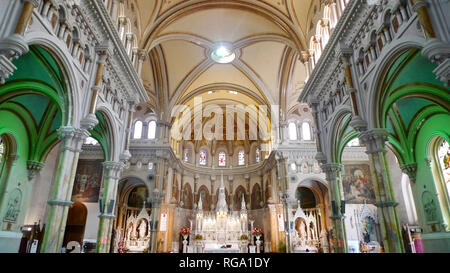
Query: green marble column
{"type": "Point", "coordinates": [112, 171]}
{"type": "Point", "coordinates": [333, 173]}
{"type": "Point", "coordinates": [375, 142]}
{"type": "Point", "coordinates": [72, 139]}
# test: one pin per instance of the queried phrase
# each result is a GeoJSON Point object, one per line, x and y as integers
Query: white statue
{"type": "Point", "coordinates": [142, 229]}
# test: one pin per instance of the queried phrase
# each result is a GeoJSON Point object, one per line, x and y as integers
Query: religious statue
{"type": "Point", "coordinates": [142, 229]}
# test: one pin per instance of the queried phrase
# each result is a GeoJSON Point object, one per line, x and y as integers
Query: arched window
{"type": "Point", "coordinates": [152, 129]}
{"type": "Point", "coordinates": [2, 151]}
{"type": "Point", "coordinates": [443, 155]}
{"type": "Point", "coordinates": [354, 142]}
{"type": "Point", "coordinates": [241, 158]}
{"type": "Point", "coordinates": [306, 131]}
{"type": "Point", "coordinates": [257, 155]}
{"type": "Point", "coordinates": [292, 131]}
{"type": "Point", "coordinates": [186, 155]}
{"type": "Point", "coordinates": [202, 158]}
{"type": "Point", "coordinates": [293, 167]}
{"type": "Point", "coordinates": [137, 130]}
{"type": "Point", "coordinates": [222, 159]}
{"type": "Point", "coordinates": [90, 141]}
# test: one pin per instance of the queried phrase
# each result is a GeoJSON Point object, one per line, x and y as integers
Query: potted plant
{"type": "Point", "coordinates": [198, 237]}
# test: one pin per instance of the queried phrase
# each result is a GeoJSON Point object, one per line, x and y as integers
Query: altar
{"type": "Point", "coordinates": [222, 250]}
{"type": "Point", "coordinates": [222, 231]}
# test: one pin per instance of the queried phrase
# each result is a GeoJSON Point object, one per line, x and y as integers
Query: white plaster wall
{"type": "Point", "coordinates": [42, 185]}
{"type": "Point", "coordinates": [406, 208]}
{"type": "Point", "coordinates": [90, 232]}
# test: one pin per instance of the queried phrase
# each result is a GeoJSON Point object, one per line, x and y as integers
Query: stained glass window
{"type": "Point", "coordinates": [202, 159]}
{"type": "Point", "coordinates": [292, 131]}
{"type": "Point", "coordinates": [222, 159]}
{"type": "Point", "coordinates": [257, 155]}
{"type": "Point", "coordinates": [137, 130]}
{"type": "Point", "coordinates": [444, 162]}
{"type": "Point", "coordinates": [241, 158]}
{"type": "Point", "coordinates": [152, 129]}
{"type": "Point", "coordinates": [186, 155]}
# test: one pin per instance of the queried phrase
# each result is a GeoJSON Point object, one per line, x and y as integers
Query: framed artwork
{"type": "Point", "coordinates": [88, 180]}
{"type": "Point", "coordinates": [357, 184]}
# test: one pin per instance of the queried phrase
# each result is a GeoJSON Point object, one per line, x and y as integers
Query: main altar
{"type": "Point", "coordinates": [222, 231]}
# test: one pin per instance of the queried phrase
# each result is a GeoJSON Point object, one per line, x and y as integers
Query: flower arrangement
{"type": "Point", "coordinates": [185, 231]}
{"type": "Point", "coordinates": [258, 231]}
{"type": "Point", "coordinates": [198, 237]}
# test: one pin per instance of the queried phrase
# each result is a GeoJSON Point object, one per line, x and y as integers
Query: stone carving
{"type": "Point", "coordinates": [13, 207]}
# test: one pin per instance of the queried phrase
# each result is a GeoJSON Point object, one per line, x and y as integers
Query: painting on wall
{"type": "Point", "coordinates": [357, 184]}
{"type": "Point", "coordinates": [88, 179]}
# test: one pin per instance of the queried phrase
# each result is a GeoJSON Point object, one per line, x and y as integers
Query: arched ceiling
{"type": "Point", "coordinates": [266, 35]}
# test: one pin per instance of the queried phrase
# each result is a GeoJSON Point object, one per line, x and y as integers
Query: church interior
{"type": "Point", "coordinates": [225, 126]}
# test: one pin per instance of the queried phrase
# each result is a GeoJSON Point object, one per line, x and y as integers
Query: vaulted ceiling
{"type": "Point", "coordinates": [266, 35]}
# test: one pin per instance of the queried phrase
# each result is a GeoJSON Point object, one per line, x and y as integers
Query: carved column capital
{"type": "Point", "coordinates": [72, 138]}
{"type": "Point", "coordinates": [33, 168]}
{"type": "Point", "coordinates": [332, 170]}
{"type": "Point", "coordinates": [113, 169]}
{"type": "Point", "coordinates": [410, 170]}
{"type": "Point", "coordinates": [374, 140]}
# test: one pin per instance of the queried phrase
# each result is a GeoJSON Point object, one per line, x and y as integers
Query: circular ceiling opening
{"type": "Point", "coordinates": [223, 54]}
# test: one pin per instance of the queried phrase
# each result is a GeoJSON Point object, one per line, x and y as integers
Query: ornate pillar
{"type": "Point", "coordinates": [273, 187]}
{"type": "Point", "coordinates": [230, 193]}
{"type": "Point", "coordinates": [126, 155]}
{"type": "Point", "coordinates": [333, 173]}
{"type": "Point", "coordinates": [284, 183]}
{"type": "Point", "coordinates": [411, 171]}
{"type": "Point", "coordinates": [196, 179]}
{"type": "Point", "coordinates": [169, 185]}
{"type": "Point", "coordinates": [112, 172]}
{"type": "Point", "coordinates": [14, 46]}
{"type": "Point", "coordinates": [213, 193]}
{"type": "Point", "coordinates": [142, 56]}
{"type": "Point", "coordinates": [25, 16]}
{"type": "Point", "coordinates": [374, 140]}
{"type": "Point", "coordinates": [305, 60]}
{"type": "Point", "coordinates": [72, 139]}
{"type": "Point", "coordinates": [90, 121]}
{"type": "Point", "coordinates": [420, 6]}
{"type": "Point", "coordinates": [434, 49]}
{"type": "Point", "coordinates": [357, 122]}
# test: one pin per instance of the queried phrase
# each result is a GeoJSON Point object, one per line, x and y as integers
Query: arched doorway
{"type": "Point", "coordinates": [76, 223]}
{"type": "Point", "coordinates": [310, 232]}
{"type": "Point", "coordinates": [133, 228]}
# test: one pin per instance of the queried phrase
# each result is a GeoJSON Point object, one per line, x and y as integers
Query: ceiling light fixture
{"type": "Point", "coordinates": [223, 54]}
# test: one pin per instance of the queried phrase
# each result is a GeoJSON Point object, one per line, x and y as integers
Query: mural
{"type": "Point", "coordinates": [137, 197]}
{"type": "Point", "coordinates": [88, 179]}
{"type": "Point", "coordinates": [357, 183]}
